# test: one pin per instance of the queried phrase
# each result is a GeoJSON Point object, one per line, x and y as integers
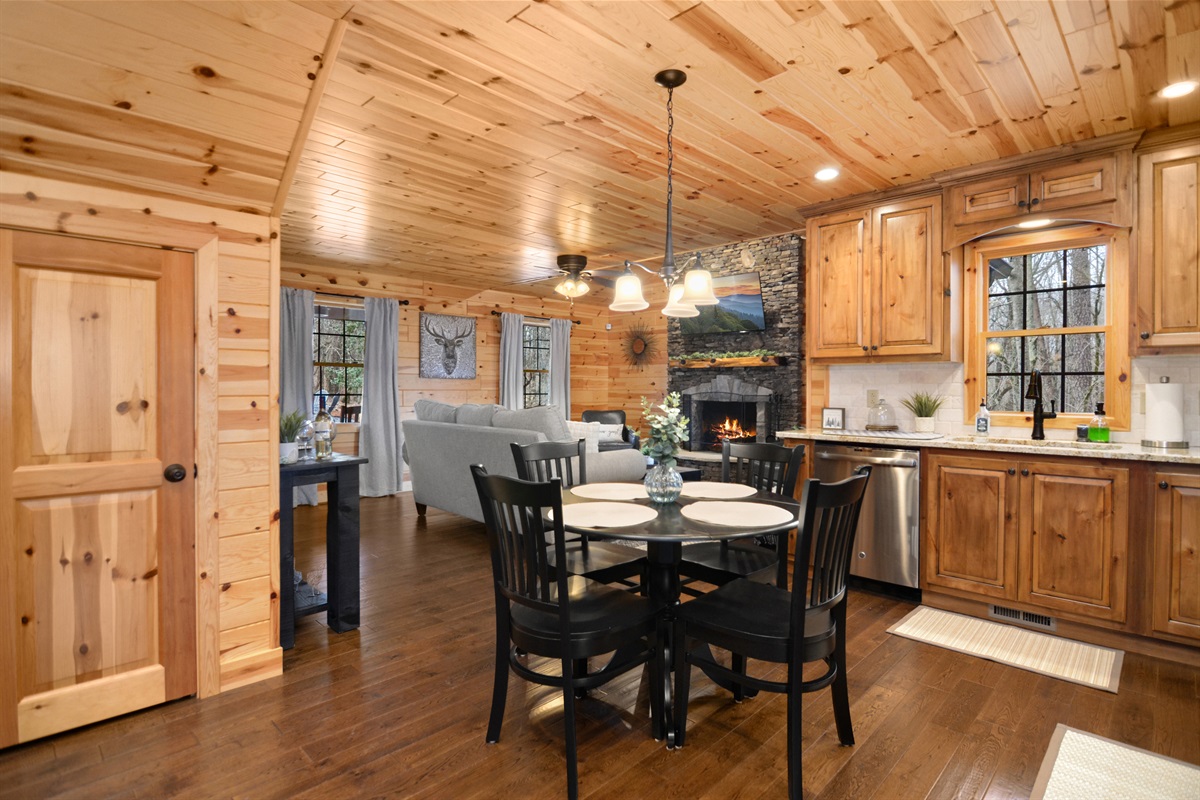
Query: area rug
{"type": "Point", "coordinates": [1076, 662]}
{"type": "Point", "coordinates": [1083, 766]}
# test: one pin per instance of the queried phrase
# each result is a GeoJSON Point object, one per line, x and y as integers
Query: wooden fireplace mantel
{"type": "Point", "coordinates": [745, 361]}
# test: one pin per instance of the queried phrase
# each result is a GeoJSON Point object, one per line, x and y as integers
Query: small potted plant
{"type": "Point", "coordinates": [289, 428]}
{"type": "Point", "coordinates": [923, 405]}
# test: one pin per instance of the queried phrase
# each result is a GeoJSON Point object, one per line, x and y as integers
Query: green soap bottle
{"type": "Point", "coordinates": [1098, 427]}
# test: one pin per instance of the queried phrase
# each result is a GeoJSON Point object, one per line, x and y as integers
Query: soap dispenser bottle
{"type": "Point", "coordinates": [983, 419]}
{"type": "Point", "coordinates": [1098, 427]}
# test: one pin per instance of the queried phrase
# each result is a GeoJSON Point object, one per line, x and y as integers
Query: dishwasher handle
{"type": "Point", "coordinates": [878, 462]}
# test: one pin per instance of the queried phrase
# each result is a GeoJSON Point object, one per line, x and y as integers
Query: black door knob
{"type": "Point", "coordinates": [1145, 335]}
{"type": "Point", "coordinates": [1025, 472]}
{"type": "Point", "coordinates": [175, 473]}
{"type": "Point", "coordinates": [1012, 470]}
{"type": "Point", "coordinates": [1163, 484]}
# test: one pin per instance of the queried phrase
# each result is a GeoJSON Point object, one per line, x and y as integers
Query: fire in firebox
{"type": "Point", "coordinates": [730, 430]}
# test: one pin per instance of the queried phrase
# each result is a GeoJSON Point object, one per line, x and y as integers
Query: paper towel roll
{"type": "Point", "coordinates": [1164, 413]}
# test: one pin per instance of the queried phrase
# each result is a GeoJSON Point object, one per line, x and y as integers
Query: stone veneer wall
{"type": "Point", "coordinates": [779, 262]}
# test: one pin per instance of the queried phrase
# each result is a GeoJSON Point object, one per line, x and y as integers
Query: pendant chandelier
{"type": "Point", "coordinates": [688, 287]}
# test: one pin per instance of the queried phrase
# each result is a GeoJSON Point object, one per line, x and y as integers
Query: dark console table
{"type": "Point", "coordinates": [341, 543]}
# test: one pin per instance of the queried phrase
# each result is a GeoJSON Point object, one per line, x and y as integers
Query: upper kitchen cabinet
{"type": "Point", "coordinates": [1167, 313]}
{"type": "Point", "coordinates": [1087, 181]}
{"type": "Point", "coordinates": [876, 284]}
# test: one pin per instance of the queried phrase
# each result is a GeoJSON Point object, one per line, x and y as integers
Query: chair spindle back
{"type": "Point", "coordinates": [828, 521]}
{"type": "Point", "coordinates": [766, 467]}
{"type": "Point", "coordinates": [544, 461]}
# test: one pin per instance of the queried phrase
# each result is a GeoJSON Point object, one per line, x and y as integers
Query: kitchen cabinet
{"type": "Point", "coordinates": [1045, 189]}
{"type": "Point", "coordinates": [1175, 589]}
{"type": "Point", "coordinates": [876, 286]}
{"type": "Point", "coordinates": [1168, 248]}
{"type": "Point", "coordinates": [1047, 533]}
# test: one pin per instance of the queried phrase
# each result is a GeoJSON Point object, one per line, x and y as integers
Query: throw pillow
{"type": "Point", "coordinates": [547, 420]}
{"type": "Point", "coordinates": [588, 431]}
{"type": "Point", "coordinates": [610, 433]}
{"type": "Point", "coordinates": [433, 411]}
{"type": "Point", "coordinates": [475, 414]}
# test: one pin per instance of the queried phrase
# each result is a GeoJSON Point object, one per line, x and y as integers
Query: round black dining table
{"type": "Point", "coordinates": [665, 536]}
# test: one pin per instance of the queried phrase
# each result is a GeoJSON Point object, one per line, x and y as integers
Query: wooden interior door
{"type": "Point", "coordinates": [97, 545]}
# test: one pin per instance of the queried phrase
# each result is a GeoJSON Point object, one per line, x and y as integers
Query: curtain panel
{"type": "Point", "coordinates": [379, 434]}
{"type": "Point", "coordinates": [296, 365]}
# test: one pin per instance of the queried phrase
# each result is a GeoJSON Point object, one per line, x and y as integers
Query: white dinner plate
{"type": "Point", "coordinates": [710, 490]}
{"type": "Point", "coordinates": [606, 515]}
{"type": "Point", "coordinates": [610, 491]}
{"type": "Point", "coordinates": [737, 514]}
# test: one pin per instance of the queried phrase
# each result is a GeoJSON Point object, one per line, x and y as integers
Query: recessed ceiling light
{"type": "Point", "coordinates": [1178, 89]}
{"type": "Point", "coordinates": [827, 174]}
{"type": "Point", "coordinates": [1040, 222]}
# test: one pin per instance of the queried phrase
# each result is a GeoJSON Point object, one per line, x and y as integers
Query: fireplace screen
{"type": "Point", "coordinates": [727, 422]}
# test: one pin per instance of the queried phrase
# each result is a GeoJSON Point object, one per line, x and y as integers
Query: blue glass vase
{"type": "Point", "coordinates": [663, 484]}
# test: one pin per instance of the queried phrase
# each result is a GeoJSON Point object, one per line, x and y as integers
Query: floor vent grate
{"type": "Point", "coordinates": [1039, 621]}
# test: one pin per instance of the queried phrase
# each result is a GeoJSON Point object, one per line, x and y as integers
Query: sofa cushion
{"type": "Point", "coordinates": [588, 431]}
{"type": "Point", "coordinates": [610, 433]}
{"type": "Point", "coordinates": [546, 420]}
{"type": "Point", "coordinates": [475, 414]}
{"type": "Point", "coordinates": [433, 411]}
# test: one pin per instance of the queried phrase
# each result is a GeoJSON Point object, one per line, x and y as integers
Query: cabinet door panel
{"type": "Point", "coordinates": [907, 272]}
{"type": "Point", "coordinates": [838, 280]}
{"type": "Point", "coordinates": [994, 198]}
{"type": "Point", "coordinates": [1074, 531]}
{"type": "Point", "coordinates": [1176, 577]}
{"type": "Point", "coordinates": [1073, 185]}
{"type": "Point", "coordinates": [1169, 249]}
{"type": "Point", "coordinates": [971, 527]}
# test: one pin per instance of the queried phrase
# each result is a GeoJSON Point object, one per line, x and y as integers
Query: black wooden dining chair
{"type": "Point", "coordinates": [764, 622]}
{"type": "Point", "coordinates": [547, 613]}
{"type": "Point", "coordinates": [766, 467]}
{"type": "Point", "coordinates": [601, 561]}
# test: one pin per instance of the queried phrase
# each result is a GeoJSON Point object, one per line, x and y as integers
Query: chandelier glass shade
{"type": "Point", "coordinates": [686, 288]}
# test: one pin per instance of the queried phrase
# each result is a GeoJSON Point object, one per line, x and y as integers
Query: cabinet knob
{"type": "Point", "coordinates": [874, 347]}
{"type": "Point", "coordinates": [1145, 335]}
{"type": "Point", "coordinates": [865, 348]}
{"type": "Point", "coordinates": [1025, 473]}
{"type": "Point", "coordinates": [1020, 204]}
{"type": "Point", "coordinates": [1012, 470]}
{"type": "Point", "coordinates": [1163, 485]}
{"type": "Point", "coordinates": [1034, 202]}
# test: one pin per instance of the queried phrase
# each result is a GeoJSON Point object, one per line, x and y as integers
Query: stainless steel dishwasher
{"type": "Point", "coordinates": [886, 547]}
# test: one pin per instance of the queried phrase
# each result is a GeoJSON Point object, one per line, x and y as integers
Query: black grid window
{"type": "Point", "coordinates": [1047, 311]}
{"type": "Point", "coordinates": [535, 361]}
{"type": "Point", "coordinates": [339, 343]}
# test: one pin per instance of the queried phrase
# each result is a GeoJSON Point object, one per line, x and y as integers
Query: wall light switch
{"type": "Point", "coordinates": [872, 396]}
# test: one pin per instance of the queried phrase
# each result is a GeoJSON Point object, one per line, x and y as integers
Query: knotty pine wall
{"type": "Point", "coordinates": [600, 374]}
{"type": "Point", "coordinates": [237, 483]}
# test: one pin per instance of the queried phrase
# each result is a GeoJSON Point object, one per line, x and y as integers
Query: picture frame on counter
{"type": "Point", "coordinates": [833, 419]}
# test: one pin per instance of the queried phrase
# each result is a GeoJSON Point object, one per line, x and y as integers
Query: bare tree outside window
{"type": "Point", "coordinates": [1046, 311]}
{"type": "Point", "coordinates": [339, 349]}
{"type": "Point", "coordinates": [535, 362]}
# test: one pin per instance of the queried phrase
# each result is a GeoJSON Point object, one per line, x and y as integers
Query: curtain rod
{"type": "Point", "coordinates": [543, 319]}
{"type": "Point", "coordinates": [354, 297]}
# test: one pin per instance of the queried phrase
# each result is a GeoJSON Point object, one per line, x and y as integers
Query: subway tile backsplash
{"type": "Point", "coordinates": [849, 385]}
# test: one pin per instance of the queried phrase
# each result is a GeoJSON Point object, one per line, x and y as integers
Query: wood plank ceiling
{"type": "Point", "coordinates": [470, 142]}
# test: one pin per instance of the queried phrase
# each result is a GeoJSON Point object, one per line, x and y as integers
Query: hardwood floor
{"type": "Point", "coordinates": [399, 709]}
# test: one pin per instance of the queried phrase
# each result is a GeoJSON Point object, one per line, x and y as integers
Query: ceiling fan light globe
{"type": "Point", "coordinates": [698, 288]}
{"type": "Point", "coordinates": [675, 307]}
{"type": "Point", "coordinates": [627, 294]}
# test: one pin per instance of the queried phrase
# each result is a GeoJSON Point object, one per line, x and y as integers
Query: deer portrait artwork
{"type": "Point", "coordinates": [447, 346]}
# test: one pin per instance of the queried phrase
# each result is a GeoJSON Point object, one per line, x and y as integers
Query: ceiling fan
{"type": "Point", "coordinates": [574, 279]}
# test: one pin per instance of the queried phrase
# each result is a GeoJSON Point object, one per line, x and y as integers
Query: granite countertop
{"type": "Point", "coordinates": [1004, 444]}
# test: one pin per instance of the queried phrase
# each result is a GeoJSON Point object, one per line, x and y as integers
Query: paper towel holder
{"type": "Point", "coordinates": [1164, 445]}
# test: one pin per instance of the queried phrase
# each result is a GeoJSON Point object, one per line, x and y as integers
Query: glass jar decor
{"type": "Point", "coordinates": [663, 484]}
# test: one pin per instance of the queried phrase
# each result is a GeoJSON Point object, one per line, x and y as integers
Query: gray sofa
{"type": "Point", "coordinates": [443, 442]}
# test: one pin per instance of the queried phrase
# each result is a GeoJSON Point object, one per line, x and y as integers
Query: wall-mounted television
{"type": "Point", "coordinates": [739, 307]}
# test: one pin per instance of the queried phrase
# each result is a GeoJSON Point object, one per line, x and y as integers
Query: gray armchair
{"type": "Point", "coordinates": [629, 439]}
